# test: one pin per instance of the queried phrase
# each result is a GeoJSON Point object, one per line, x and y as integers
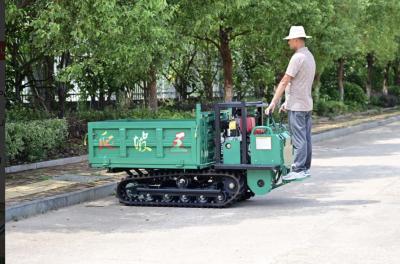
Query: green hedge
{"type": "Point", "coordinates": [137, 113]}
{"type": "Point", "coordinates": [353, 93]}
{"type": "Point", "coordinates": [77, 122]}
{"type": "Point", "coordinates": [394, 90]}
{"type": "Point", "coordinates": [24, 113]}
{"type": "Point", "coordinates": [330, 108]}
{"type": "Point", "coordinates": [31, 140]}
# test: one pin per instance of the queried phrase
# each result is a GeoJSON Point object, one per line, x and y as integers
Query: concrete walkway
{"type": "Point", "coordinates": [32, 185]}
{"type": "Point", "coordinates": [348, 212]}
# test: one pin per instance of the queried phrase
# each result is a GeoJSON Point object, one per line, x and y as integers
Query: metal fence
{"type": "Point", "coordinates": [136, 94]}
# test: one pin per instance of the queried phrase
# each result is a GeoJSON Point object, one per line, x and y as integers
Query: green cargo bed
{"type": "Point", "coordinates": [154, 143]}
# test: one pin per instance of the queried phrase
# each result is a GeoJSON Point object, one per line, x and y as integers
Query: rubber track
{"type": "Point", "coordinates": [167, 175]}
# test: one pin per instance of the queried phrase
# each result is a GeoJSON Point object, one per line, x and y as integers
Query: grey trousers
{"type": "Point", "coordinates": [300, 123]}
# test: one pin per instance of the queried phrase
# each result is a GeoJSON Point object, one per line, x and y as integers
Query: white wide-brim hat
{"type": "Point", "coordinates": [297, 32]}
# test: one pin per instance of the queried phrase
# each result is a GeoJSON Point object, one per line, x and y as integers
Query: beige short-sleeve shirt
{"type": "Point", "coordinates": [298, 93]}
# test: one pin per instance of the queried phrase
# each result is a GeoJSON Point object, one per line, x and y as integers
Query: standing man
{"type": "Point", "coordinates": [298, 103]}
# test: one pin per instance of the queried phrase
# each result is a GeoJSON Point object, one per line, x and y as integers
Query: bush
{"type": "Point", "coordinates": [77, 128]}
{"type": "Point", "coordinates": [386, 100]}
{"type": "Point", "coordinates": [330, 108]}
{"type": "Point", "coordinates": [356, 107]}
{"type": "Point", "coordinates": [14, 141]}
{"type": "Point", "coordinates": [353, 93]}
{"type": "Point", "coordinates": [375, 101]}
{"type": "Point", "coordinates": [77, 122]}
{"type": "Point", "coordinates": [31, 140]}
{"type": "Point", "coordinates": [24, 113]}
{"type": "Point", "coordinates": [138, 113]}
{"type": "Point", "coordinates": [394, 90]}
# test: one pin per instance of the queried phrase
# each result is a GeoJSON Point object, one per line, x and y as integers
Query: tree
{"type": "Point", "coordinates": [112, 47]}
{"type": "Point", "coordinates": [181, 69]}
{"type": "Point", "coordinates": [221, 23]}
{"type": "Point", "coordinates": [347, 35]}
{"type": "Point", "coordinates": [206, 67]}
{"type": "Point", "coordinates": [109, 42]}
{"type": "Point", "coordinates": [78, 34]}
{"type": "Point", "coordinates": [27, 66]}
{"type": "Point", "coordinates": [396, 64]}
{"type": "Point", "coordinates": [378, 34]}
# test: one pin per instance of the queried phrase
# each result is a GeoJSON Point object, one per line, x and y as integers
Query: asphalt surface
{"type": "Point", "coordinates": [347, 212]}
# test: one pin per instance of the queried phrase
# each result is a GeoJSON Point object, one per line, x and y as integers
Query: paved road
{"type": "Point", "coordinates": [348, 212]}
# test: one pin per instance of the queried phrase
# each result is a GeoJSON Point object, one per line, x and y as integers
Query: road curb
{"type": "Point", "coordinates": [45, 164]}
{"type": "Point", "coordinates": [339, 132]}
{"type": "Point", "coordinates": [44, 205]}
{"type": "Point", "coordinates": [41, 206]}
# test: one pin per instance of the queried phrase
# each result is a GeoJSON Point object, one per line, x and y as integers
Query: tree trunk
{"type": "Point", "coordinates": [152, 89]}
{"type": "Point", "coordinates": [18, 78]}
{"type": "Point", "coordinates": [207, 81]}
{"type": "Point", "coordinates": [18, 87]}
{"type": "Point", "coordinates": [61, 92]}
{"type": "Point", "coordinates": [49, 83]}
{"type": "Point", "coordinates": [227, 63]}
{"type": "Point", "coordinates": [37, 99]}
{"type": "Point", "coordinates": [109, 95]}
{"type": "Point", "coordinates": [386, 79]}
{"type": "Point", "coordinates": [208, 86]}
{"type": "Point", "coordinates": [396, 69]}
{"type": "Point", "coordinates": [146, 93]}
{"type": "Point", "coordinates": [101, 97]}
{"type": "Point", "coordinates": [207, 76]}
{"type": "Point", "coordinates": [370, 63]}
{"type": "Point", "coordinates": [93, 101]}
{"type": "Point", "coordinates": [181, 88]}
{"type": "Point", "coordinates": [340, 75]}
{"type": "Point", "coordinates": [117, 98]}
{"type": "Point", "coordinates": [62, 86]}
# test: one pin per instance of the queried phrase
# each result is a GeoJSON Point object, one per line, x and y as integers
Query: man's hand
{"type": "Point", "coordinates": [278, 93]}
{"type": "Point", "coordinates": [283, 108]}
{"type": "Point", "coordinates": [270, 109]}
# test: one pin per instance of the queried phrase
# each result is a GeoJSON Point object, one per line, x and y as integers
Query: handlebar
{"type": "Point", "coordinates": [262, 127]}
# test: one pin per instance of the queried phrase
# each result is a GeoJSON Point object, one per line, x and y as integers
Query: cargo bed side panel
{"type": "Point", "coordinates": [141, 144]}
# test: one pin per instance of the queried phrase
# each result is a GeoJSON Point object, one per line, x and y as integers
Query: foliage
{"type": "Point", "coordinates": [31, 140]}
{"type": "Point", "coordinates": [138, 113]}
{"type": "Point", "coordinates": [77, 121]}
{"type": "Point", "coordinates": [110, 48]}
{"type": "Point", "coordinates": [388, 100]}
{"type": "Point", "coordinates": [380, 32]}
{"type": "Point", "coordinates": [357, 107]}
{"type": "Point", "coordinates": [394, 90]}
{"type": "Point", "coordinates": [23, 113]}
{"type": "Point", "coordinates": [354, 93]}
{"type": "Point", "coordinates": [330, 108]}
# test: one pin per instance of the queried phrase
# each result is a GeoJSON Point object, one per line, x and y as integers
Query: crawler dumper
{"type": "Point", "coordinates": [220, 157]}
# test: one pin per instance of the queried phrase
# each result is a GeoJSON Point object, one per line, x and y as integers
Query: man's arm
{"type": "Point", "coordinates": [278, 93]}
